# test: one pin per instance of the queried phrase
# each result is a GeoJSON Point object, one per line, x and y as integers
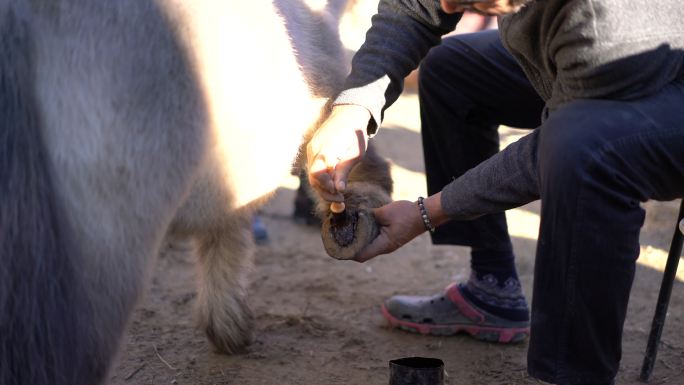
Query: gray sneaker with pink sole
{"type": "Point", "coordinates": [451, 313]}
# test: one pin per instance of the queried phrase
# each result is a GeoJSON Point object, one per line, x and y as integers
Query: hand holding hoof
{"type": "Point", "coordinates": [348, 228]}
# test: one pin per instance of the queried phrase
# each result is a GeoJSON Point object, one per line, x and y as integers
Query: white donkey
{"type": "Point", "coordinates": [124, 122]}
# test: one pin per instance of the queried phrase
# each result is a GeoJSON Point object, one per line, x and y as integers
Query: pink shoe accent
{"type": "Point", "coordinates": [463, 306]}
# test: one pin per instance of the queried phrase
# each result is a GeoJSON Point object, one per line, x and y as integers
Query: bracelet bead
{"type": "Point", "coordinates": [424, 214]}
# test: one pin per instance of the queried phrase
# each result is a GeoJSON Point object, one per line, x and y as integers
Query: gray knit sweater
{"type": "Point", "coordinates": [569, 49]}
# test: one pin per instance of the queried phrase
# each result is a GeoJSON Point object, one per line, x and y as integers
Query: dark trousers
{"type": "Point", "coordinates": [597, 160]}
{"type": "Point", "coordinates": [469, 85]}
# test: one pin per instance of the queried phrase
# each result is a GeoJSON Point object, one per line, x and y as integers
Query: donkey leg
{"type": "Point", "coordinates": [225, 258]}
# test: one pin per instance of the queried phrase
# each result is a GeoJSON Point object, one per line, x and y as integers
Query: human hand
{"type": "Point", "coordinates": [400, 222]}
{"type": "Point", "coordinates": [337, 146]}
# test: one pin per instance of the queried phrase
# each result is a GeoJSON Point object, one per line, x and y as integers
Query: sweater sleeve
{"type": "Point", "coordinates": [401, 34]}
{"type": "Point", "coordinates": [506, 180]}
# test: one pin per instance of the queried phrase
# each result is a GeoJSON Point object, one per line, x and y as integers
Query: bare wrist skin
{"type": "Point", "coordinates": [418, 227]}
{"type": "Point", "coordinates": [433, 206]}
{"type": "Point", "coordinates": [354, 111]}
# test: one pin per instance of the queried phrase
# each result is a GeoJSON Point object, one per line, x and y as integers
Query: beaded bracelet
{"type": "Point", "coordinates": [424, 214]}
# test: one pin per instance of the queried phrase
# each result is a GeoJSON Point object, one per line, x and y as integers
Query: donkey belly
{"type": "Point", "coordinates": [259, 102]}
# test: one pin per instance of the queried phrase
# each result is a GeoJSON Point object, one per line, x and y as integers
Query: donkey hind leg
{"type": "Point", "coordinates": [225, 259]}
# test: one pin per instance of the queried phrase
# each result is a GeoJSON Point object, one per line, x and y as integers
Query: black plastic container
{"type": "Point", "coordinates": [416, 371]}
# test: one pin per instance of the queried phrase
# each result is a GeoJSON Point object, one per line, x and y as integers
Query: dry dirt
{"type": "Point", "coordinates": [318, 319]}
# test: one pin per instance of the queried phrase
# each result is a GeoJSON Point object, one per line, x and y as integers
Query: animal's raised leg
{"type": "Point", "coordinates": [225, 258]}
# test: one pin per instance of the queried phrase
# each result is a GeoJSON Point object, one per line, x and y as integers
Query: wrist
{"type": "Point", "coordinates": [433, 208]}
{"type": "Point", "coordinates": [425, 217]}
{"type": "Point", "coordinates": [352, 110]}
{"type": "Point", "coordinates": [358, 116]}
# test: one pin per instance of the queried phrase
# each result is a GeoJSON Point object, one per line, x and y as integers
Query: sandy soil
{"type": "Point", "coordinates": [318, 319]}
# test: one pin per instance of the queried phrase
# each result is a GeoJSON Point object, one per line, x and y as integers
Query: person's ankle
{"type": "Point", "coordinates": [507, 302]}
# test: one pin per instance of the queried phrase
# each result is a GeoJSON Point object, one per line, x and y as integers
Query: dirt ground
{"type": "Point", "coordinates": [318, 319]}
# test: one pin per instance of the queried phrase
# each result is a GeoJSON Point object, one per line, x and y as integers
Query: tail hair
{"type": "Point", "coordinates": [39, 325]}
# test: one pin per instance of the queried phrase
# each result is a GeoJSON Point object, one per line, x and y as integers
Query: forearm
{"type": "Point", "coordinates": [401, 34]}
{"type": "Point", "coordinates": [506, 180]}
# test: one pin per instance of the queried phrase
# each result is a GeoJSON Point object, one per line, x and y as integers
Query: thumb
{"type": "Point", "coordinates": [354, 154]}
{"type": "Point", "coordinates": [379, 215]}
{"type": "Point", "coordinates": [377, 247]}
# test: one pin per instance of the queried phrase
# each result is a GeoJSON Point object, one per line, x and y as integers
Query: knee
{"type": "Point", "coordinates": [573, 140]}
{"type": "Point", "coordinates": [442, 67]}
{"type": "Point", "coordinates": [431, 68]}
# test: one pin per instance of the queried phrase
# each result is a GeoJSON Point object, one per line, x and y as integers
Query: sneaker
{"type": "Point", "coordinates": [451, 313]}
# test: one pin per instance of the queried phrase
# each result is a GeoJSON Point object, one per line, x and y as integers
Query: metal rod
{"type": "Point", "coordinates": [663, 299]}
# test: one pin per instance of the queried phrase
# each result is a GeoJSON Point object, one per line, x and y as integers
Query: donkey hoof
{"type": "Point", "coordinates": [229, 329]}
{"type": "Point", "coordinates": [230, 341]}
{"type": "Point", "coordinates": [347, 233]}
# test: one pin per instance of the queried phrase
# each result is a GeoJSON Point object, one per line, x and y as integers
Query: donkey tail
{"type": "Point", "coordinates": [39, 295]}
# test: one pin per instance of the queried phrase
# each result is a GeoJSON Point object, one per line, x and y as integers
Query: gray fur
{"type": "Point", "coordinates": [127, 124]}
{"type": "Point", "coordinates": [37, 279]}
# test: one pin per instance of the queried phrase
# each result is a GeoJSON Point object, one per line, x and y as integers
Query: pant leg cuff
{"type": "Point", "coordinates": [563, 380]}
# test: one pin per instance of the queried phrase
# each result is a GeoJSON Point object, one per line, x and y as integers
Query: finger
{"type": "Point", "coordinates": [341, 174]}
{"type": "Point", "coordinates": [328, 197]}
{"type": "Point", "coordinates": [323, 192]}
{"type": "Point", "coordinates": [320, 175]}
{"type": "Point", "coordinates": [323, 185]}
{"type": "Point", "coordinates": [380, 245]}
{"type": "Point", "coordinates": [349, 159]}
